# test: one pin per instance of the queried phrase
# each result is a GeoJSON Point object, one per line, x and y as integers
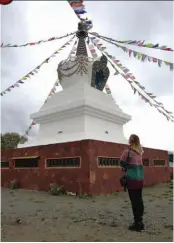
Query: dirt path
{"type": "Point", "coordinates": [38, 216]}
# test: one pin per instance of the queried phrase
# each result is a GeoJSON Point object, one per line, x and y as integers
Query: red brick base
{"type": "Point", "coordinates": [89, 177]}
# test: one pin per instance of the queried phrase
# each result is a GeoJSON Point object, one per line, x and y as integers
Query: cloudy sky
{"type": "Point", "coordinates": [23, 22]}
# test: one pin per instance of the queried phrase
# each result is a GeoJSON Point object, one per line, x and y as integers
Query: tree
{"type": "Point", "coordinates": [9, 140]}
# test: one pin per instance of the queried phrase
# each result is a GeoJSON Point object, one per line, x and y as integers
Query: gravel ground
{"type": "Point", "coordinates": [39, 216]}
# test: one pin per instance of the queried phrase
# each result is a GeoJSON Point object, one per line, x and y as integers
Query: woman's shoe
{"type": "Point", "coordinates": [137, 226]}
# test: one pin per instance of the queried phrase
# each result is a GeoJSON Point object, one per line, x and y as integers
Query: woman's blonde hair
{"type": "Point", "coordinates": [134, 142]}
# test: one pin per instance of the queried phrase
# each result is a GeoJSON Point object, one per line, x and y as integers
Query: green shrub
{"type": "Point", "coordinates": [56, 190]}
{"type": "Point", "coordinates": [14, 184]}
{"type": "Point", "coordinates": [62, 190]}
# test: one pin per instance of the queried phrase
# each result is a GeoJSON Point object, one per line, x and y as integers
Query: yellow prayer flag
{"type": "Point", "coordinates": [148, 45]}
{"type": "Point", "coordinates": [127, 41]}
{"type": "Point", "coordinates": [150, 102]}
{"type": "Point", "coordinates": [139, 56]}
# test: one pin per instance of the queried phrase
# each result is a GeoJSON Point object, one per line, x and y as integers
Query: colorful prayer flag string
{"type": "Point", "coordinates": [94, 55]}
{"type": "Point", "coordinates": [92, 49]}
{"type": "Point", "coordinates": [35, 70]}
{"type": "Point", "coordinates": [136, 43]}
{"type": "Point", "coordinates": [24, 138]}
{"type": "Point", "coordinates": [108, 91]}
{"type": "Point", "coordinates": [74, 48]}
{"type": "Point", "coordinates": [79, 10]}
{"type": "Point", "coordinates": [38, 42]}
{"type": "Point", "coordinates": [133, 83]}
{"type": "Point", "coordinates": [140, 56]}
{"type": "Point", "coordinates": [52, 92]}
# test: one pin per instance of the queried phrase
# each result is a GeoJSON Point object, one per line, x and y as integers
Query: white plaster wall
{"type": "Point", "coordinates": [80, 92]}
{"type": "Point", "coordinates": [96, 129]}
{"type": "Point", "coordinates": [88, 126]}
{"type": "Point", "coordinates": [67, 126]}
{"type": "Point", "coordinates": [78, 128]}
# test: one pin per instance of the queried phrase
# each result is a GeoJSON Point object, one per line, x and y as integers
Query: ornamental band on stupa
{"type": "Point", "coordinates": [81, 62]}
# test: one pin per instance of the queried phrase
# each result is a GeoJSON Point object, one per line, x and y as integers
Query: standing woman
{"type": "Point", "coordinates": [131, 161]}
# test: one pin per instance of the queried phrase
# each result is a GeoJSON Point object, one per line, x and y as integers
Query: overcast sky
{"type": "Point", "coordinates": [23, 22]}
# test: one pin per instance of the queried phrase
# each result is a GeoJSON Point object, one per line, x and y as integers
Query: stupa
{"type": "Point", "coordinates": [81, 135]}
{"type": "Point", "coordinates": [82, 110]}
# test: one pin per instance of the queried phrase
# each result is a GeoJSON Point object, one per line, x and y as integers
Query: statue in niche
{"type": "Point", "coordinates": [100, 73]}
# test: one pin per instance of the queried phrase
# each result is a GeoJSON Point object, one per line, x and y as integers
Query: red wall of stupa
{"type": "Point", "coordinates": [89, 177]}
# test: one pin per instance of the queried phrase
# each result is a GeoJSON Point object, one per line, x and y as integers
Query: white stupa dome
{"type": "Point", "coordinates": [81, 68]}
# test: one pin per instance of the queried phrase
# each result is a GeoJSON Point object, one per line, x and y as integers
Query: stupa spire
{"type": "Point", "coordinates": [82, 33]}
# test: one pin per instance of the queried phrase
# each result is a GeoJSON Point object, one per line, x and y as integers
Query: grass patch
{"type": "Point", "coordinates": [157, 196]}
{"type": "Point", "coordinates": [30, 199]}
{"type": "Point", "coordinates": [168, 227]}
{"type": "Point", "coordinates": [39, 210]}
{"type": "Point", "coordinates": [38, 201]}
{"type": "Point", "coordinates": [125, 207]}
{"type": "Point", "coordinates": [113, 225]}
{"type": "Point", "coordinates": [166, 194]}
{"type": "Point", "coordinates": [35, 201]}
{"type": "Point", "coordinates": [84, 196]}
{"type": "Point", "coordinates": [151, 200]}
{"type": "Point", "coordinates": [83, 220]}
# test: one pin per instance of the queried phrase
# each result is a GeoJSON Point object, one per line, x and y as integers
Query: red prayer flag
{"type": "Point", "coordinates": [132, 77]}
{"type": "Point", "coordinates": [130, 52]}
{"type": "Point", "coordinates": [140, 43]}
{"type": "Point", "coordinates": [116, 61]}
{"type": "Point", "coordinates": [76, 4]}
{"type": "Point", "coordinates": [92, 51]}
{"type": "Point", "coordinates": [167, 49]}
{"type": "Point", "coordinates": [51, 38]}
{"type": "Point", "coordinates": [154, 59]}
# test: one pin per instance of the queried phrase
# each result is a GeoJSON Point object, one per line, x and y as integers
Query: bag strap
{"type": "Point", "coordinates": [128, 156]}
{"type": "Point", "coordinates": [127, 160]}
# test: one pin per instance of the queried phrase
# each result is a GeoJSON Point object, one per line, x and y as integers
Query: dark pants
{"type": "Point", "coordinates": [137, 204]}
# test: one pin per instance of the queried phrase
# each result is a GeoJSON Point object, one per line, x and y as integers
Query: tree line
{"type": "Point", "coordinates": [9, 140]}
